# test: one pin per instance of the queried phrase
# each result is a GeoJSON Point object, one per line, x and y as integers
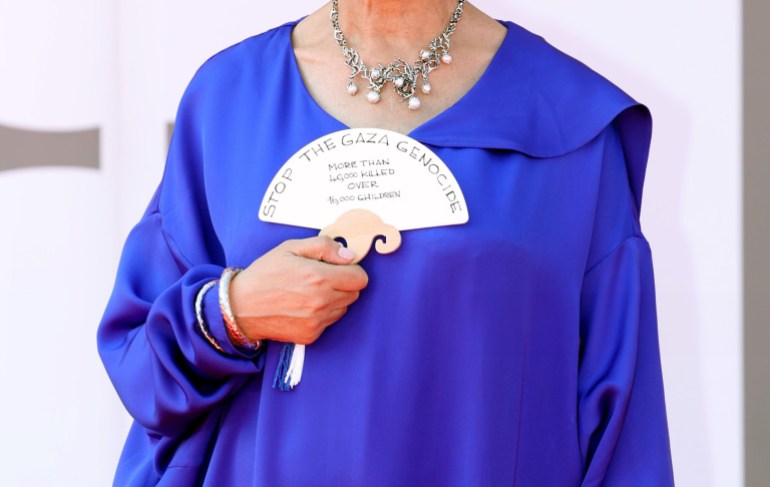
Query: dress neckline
{"type": "Point", "coordinates": [466, 98]}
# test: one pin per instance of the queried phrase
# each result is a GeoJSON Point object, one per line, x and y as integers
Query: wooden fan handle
{"type": "Point", "coordinates": [359, 228]}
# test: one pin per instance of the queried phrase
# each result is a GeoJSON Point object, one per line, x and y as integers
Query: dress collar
{"type": "Point", "coordinates": [532, 99]}
{"type": "Point", "coordinates": [539, 101]}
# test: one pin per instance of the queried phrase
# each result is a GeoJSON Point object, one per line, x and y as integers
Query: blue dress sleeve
{"type": "Point", "coordinates": [164, 370]}
{"type": "Point", "coordinates": [622, 424]}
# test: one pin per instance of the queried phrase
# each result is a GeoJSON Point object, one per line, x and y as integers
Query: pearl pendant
{"type": "Point", "coordinates": [426, 88]}
{"type": "Point", "coordinates": [373, 97]}
{"type": "Point", "coordinates": [414, 103]}
{"type": "Point", "coordinates": [446, 58]}
{"type": "Point", "coordinates": [352, 89]}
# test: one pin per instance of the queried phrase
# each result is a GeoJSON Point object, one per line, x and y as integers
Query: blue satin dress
{"type": "Point", "coordinates": [519, 349]}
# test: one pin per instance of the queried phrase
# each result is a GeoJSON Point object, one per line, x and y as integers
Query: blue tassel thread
{"type": "Point", "coordinates": [280, 381]}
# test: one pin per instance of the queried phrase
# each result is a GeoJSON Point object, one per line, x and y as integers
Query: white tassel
{"type": "Point", "coordinates": [288, 373]}
{"type": "Point", "coordinates": [294, 374]}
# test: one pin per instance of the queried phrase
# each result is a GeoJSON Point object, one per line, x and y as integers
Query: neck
{"type": "Point", "coordinates": [382, 30]}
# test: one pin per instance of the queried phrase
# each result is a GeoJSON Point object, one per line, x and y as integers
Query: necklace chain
{"type": "Point", "coordinates": [403, 75]}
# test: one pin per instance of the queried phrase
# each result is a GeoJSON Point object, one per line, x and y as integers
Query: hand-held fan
{"type": "Point", "coordinates": [361, 186]}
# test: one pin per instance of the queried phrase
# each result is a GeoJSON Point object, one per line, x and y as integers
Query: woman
{"type": "Point", "coordinates": [517, 349]}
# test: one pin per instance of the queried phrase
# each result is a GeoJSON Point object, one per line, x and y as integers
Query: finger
{"type": "Point", "coordinates": [334, 316]}
{"type": "Point", "coordinates": [347, 278]}
{"type": "Point", "coordinates": [322, 248]}
{"type": "Point", "coordinates": [344, 299]}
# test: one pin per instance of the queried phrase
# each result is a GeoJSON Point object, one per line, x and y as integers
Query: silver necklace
{"type": "Point", "coordinates": [403, 75]}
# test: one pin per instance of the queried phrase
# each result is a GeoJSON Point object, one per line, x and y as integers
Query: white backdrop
{"type": "Point", "coordinates": [122, 66]}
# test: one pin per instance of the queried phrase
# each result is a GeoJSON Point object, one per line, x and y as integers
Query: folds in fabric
{"type": "Point", "coordinates": [167, 375]}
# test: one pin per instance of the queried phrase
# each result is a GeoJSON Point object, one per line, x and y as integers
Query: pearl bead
{"type": "Point", "coordinates": [399, 82]}
{"type": "Point", "coordinates": [426, 88]}
{"type": "Point", "coordinates": [446, 58]}
{"type": "Point", "coordinates": [414, 103]}
{"type": "Point", "coordinates": [373, 97]}
{"type": "Point", "coordinates": [424, 55]}
{"type": "Point", "coordinates": [352, 88]}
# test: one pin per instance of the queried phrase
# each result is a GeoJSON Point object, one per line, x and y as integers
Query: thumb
{"type": "Point", "coordinates": [322, 248]}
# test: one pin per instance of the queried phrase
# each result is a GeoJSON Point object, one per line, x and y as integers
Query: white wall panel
{"type": "Point", "coordinates": [58, 235]}
{"type": "Point", "coordinates": [57, 62]}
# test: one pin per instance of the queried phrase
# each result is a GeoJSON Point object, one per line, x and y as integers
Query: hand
{"type": "Point", "coordinates": [296, 290]}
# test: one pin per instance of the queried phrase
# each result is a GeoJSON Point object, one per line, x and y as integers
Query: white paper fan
{"type": "Point", "coordinates": [390, 174]}
{"type": "Point", "coordinates": [358, 184]}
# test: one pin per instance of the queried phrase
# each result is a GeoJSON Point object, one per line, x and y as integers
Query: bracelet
{"type": "Point", "coordinates": [199, 315]}
{"type": "Point", "coordinates": [235, 333]}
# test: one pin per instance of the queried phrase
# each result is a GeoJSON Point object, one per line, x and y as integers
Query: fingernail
{"type": "Point", "coordinates": [346, 253]}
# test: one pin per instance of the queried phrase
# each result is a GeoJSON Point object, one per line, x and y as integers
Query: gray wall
{"type": "Point", "coordinates": [756, 221]}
